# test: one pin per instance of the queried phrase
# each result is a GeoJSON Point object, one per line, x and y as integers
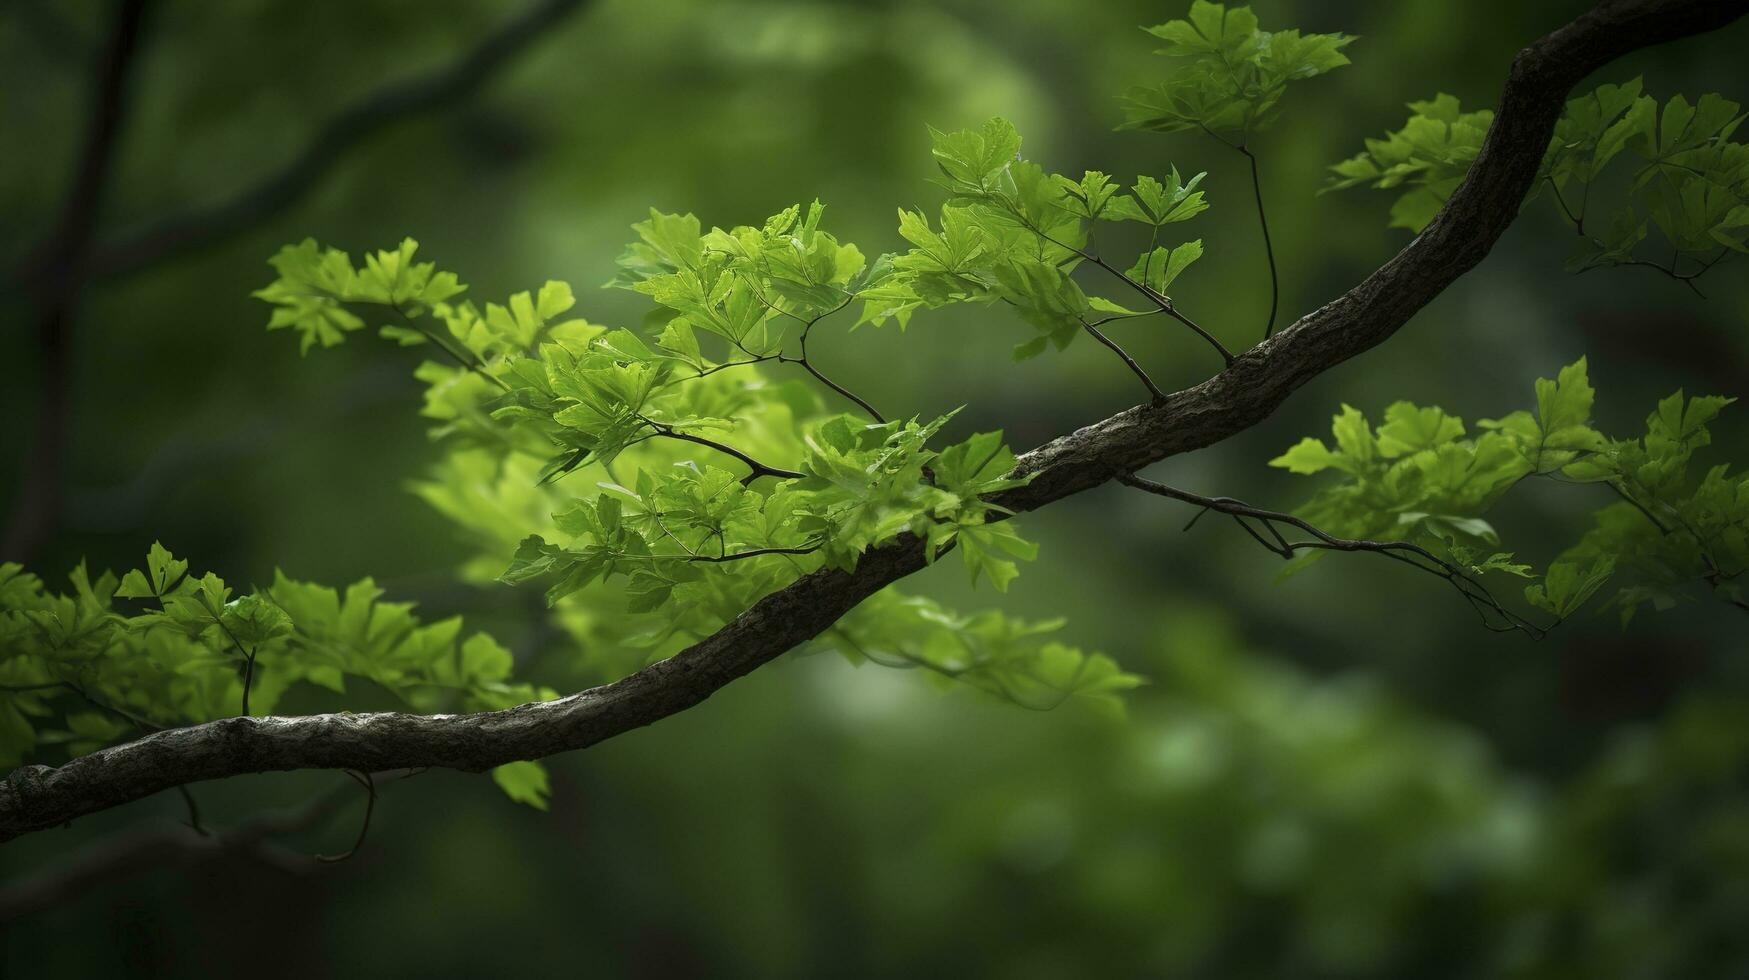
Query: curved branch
{"type": "Point", "coordinates": [1494, 615]}
{"type": "Point", "coordinates": [757, 468]}
{"type": "Point", "coordinates": [137, 852]}
{"type": "Point", "coordinates": [1135, 368]}
{"type": "Point", "coordinates": [1268, 248]}
{"type": "Point", "coordinates": [203, 227]}
{"type": "Point", "coordinates": [38, 797]}
{"type": "Point", "coordinates": [69, 259]}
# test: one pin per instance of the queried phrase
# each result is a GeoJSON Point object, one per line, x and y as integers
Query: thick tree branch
{"type": "Point", "coordinates": [37, 797]}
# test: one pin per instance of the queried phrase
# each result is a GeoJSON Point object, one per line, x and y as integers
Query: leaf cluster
{"type": "Point", "coordinates": [1421, 476]}
{"type": "Point", "coordinates": [1012, 233]}
{"type": "Point", "coordinates": [1230, 74]}
{"type": "Point", "coordinates": [161, 647]}
{"type": "Point", "coordinates": [1684, 175]}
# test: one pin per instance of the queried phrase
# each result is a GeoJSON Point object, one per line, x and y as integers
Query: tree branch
{"type": "Point", "coordinates": [58, 270]}
{"type": "Point", "coordinates": [137, 852]}
{"type": "Point", "coordinates": [757, 468]}
{"type": "Point", "coordinates": [1268, 248]}
{"type": "Point", "coordinates": [1494, 615]}
{"type": "Point", "coordinates": [68, 260]}
{"type": "Point", "coordinates": [204, 227]}
{"type": "Point", "coordinates": [38, 797]}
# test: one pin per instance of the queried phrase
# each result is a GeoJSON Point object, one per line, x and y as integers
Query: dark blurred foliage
{"type": "Point", "coordinates": [1338, 775]}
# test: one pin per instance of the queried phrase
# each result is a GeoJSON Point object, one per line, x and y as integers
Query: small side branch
{"type": "Point", "coordinates": [369, 784]}
{"type": "Point", "coordinates": [1268, 248]}
{"type": "Point", "coordinates": [1714, 575]}
{"type": "Point", "coordinates": [465, 359]}
{"type": "Point", "coordinates": [138, 852]}
{"type": "Point", "coordinates": [1265, 527]}
{"type": "Point", "coordinates": [1577, 220]}
{"type": "Point", "coordinates": [808, 366]}
{"type": "Point", "coordinates": [732, 556]}
{"type": "Point", "coordinates": [758, 469]}
{"type": "Point", "coordinates": [1099, 335]}
{"type": "Point", "coordinates": [1154, 296]}
{"type": "Point", "coordinates": [203, 227]}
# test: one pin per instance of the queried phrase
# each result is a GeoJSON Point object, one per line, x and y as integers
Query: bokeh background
{"type": "Point", "coordinates": [1338, 775]}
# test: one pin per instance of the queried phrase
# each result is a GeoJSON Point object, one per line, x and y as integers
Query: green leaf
{"type": "Point", "coordinates": [524, 782]}
{"type": "Point", "coordinates": [1564, 412]}
{"type": "Point", "coordinates": [1231, 75]}
{"type": "Point", "coordinates": [974, 157]}
{"type": "Point", "coordinates": [1159, 268]}
{"type": "Point", "coordinates": [163, 573]}
{"type": "Point", "coordinates": [1568, 585]}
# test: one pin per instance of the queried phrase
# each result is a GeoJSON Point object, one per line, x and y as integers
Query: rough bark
{"type": "Point", "coordinates": [36, 797]}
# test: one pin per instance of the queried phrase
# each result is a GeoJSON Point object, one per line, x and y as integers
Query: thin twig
{"type": "Point", "coordinates": [1714, 576]}
{"type": "Point", "coordinates": [1473, 591]}
{"type": "Point", "coordinates": [194, 823]}
{"type": "Point", "coordinates": [1672, 271]}
{"type": "Point", "coordinates": [759, 469]}
{"type": "Point", "coordinates": [78, 689]}
{"type": "Point", "coordinates": [1158, 298]}
{"type": "Point", "coordinates": [471, 363]}
{"type": "Point", "coordinates": [1268, 249]}
{"type": "Point", "coordinates": [718, 558]}
{"type": "Point", "coordinates": [1153, 389]}
{"type": "Point", "coordinates": [367, 781]}
{"type": "Point", "coordinates": [808, 365]}
{"type": "Point", "coordinates": [119, 858]}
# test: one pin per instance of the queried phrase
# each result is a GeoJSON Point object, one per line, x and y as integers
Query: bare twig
{"type": "Point", "coordinates": [1268, 248]}
{"type": "Point", "coordinates": [1494, 615]}
{"type": "Point", "coordinates": [369, 783]}
{"type": "Point", "coordinates": [1097, 334]}
{"type": "Point", "coordinates": [808, 366]}
{"type": "Point", "coordinates": [758, 469]}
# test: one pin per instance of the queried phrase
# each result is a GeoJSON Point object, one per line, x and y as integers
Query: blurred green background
{"type": "Point", "coordinates": [1339, 775]}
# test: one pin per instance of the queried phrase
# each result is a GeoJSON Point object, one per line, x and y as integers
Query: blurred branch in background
{"type": "Point", "coordinates": [148, 849]}
{"type": "Point", "coordinates": [179, 234]}
{"type": "Point", "coordinates": [55, 277]}
{"type": "Point", "coordinates": [70, 258]}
